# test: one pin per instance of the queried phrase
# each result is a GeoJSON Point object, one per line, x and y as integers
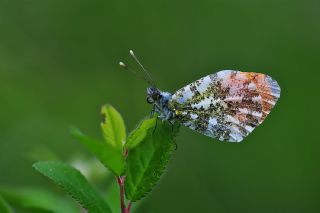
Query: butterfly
{"type": "Point", "coordinates": [227, 105]}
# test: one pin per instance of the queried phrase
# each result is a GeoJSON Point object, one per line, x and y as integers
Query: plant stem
{"type": "Point", "coordinates": [124, 209]}
{"type": "Point", "coordinates": [129, 207]}
{"type": "Point", "coordinates": [121, 187]}
{"type": "Point", "coordinates": [120, 181]}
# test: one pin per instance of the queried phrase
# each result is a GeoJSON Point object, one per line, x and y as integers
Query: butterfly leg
{"type": "Point", "coordinates": [176, 146]}
{"type": "Point", "coordinates": [152, 111]}
{"type": "Point", "coordinates": [169, 118]}
{"type": "Point", "coordinates": [155, 127]}
{"type": "Point", "coordinates": [171, 122]}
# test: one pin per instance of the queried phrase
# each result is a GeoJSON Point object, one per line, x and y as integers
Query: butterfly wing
{"type": "Point", "coordinates": [226, 105]}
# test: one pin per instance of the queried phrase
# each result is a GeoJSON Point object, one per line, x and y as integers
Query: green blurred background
{"type": "Point", "coordinates": [59, 64]}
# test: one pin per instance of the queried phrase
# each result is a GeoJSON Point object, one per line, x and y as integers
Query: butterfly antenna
{"type": "Point", "coordinates": [139, 76]}
{"type": "Point", "coordinates": [142, 67]}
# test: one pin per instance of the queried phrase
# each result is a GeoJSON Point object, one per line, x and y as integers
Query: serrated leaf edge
{"type": "Point", "coordinates": [60, 185]}
{"type": "Point", "coordinates": [162, 169]}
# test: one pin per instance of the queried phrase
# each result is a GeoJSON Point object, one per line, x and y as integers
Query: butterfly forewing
{"type": "Point", "coordinates": [226, 105]}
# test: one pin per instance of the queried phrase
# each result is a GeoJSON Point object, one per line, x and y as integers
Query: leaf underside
{"type": "Point", "coordinates": [147, 161]}
{"type": "Point", "coordinates": [108, 155]}
{"type": "Point", "coordinates": [73, 182]}
{"type": "Point", "coordinates": [113, 127]}
{"type": "Point", "coordinates": [137, 135]}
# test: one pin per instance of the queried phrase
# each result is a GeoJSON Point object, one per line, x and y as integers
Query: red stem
{"type": "Point", "coordinates": [124, 209]}
{"type": "Point", "coordinates": [120, 181]}
{"type": "Point", "coordinates": [129, 207]}
{"type": "Point", "coordinates": [121, 187]}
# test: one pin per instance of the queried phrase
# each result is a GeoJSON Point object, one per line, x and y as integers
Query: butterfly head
{"type": "Point", "coordinates": [153, 95]}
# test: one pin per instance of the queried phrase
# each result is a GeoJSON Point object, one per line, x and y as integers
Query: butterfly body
{"type": "Point", "coordinates": [160, 101]}
{"type": "Point", "coordinates": [226, 105]}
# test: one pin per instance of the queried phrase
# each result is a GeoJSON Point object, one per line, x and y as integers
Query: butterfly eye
{"type": "Point", "coordinates": [156, 96]}
{"type": "Point", "coordinates": [150, 100]}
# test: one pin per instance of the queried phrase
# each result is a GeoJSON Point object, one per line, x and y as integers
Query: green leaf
{"type": "Point", "coordinates": [73, 182]}
{"type": "Point", "coordinates": [113, 196]}
{"type": "Point", "coordinates": [147, 161]}
{"type": "Point", "coordinates": [108, 155]}
{"type": "Point", "coordinates": [113, 128]}
{"type": "Point", "coordinates": [137, 135]}
{"type": "Point", "coordinates": [4, 206]}
{"type": "Point", "coordinates": [37, 199]}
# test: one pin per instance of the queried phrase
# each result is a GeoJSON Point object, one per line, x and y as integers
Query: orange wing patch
{"type": "Point", "coordinates": [268, 89]}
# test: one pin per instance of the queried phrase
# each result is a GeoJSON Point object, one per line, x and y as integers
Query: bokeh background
{"type": "Point", "coordinates": [59, 64]}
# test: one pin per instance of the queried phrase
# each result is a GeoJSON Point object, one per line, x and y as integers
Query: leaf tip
{"type": "Point", "coordinates": [74, 131]}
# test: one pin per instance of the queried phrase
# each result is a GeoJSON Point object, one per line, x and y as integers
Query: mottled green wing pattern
{"type": "Point", "coordinates": [226, 105]}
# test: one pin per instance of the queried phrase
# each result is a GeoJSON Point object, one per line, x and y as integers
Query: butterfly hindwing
{"type": "Point", "coordinates": [226, 105]}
